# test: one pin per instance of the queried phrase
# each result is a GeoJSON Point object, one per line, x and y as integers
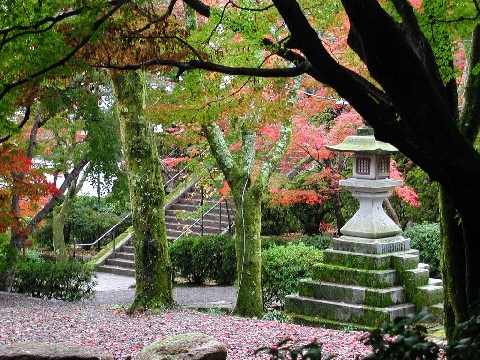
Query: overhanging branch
{"type": "Point", "coordinates": [182, 66]}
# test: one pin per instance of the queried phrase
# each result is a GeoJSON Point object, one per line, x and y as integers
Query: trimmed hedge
{"type": "Point", "coordinates": [284, 263]}
{"type": "Point", "coordinates": [199, 259]}
{"type": "Point", "coordinates": [69, 281]}
{"type": "Point", "coordinates": [282, 269]}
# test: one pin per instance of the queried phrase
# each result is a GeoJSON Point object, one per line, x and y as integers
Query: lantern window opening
{"type": "Point", "coordinates": [383, 166]}
{"type": "Point", "coordinates": [363, 165]}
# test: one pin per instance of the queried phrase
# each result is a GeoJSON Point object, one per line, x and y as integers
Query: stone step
{"type": "Point", "coordinates": [349, 276]}
{"type": "Point", "coordinates": [125, 255]}
{"type": "Point", "coordinates": [190, 207]}
{"type": "Point", "coordinates": [409, 259]}
{"type": "Point", "coordinates": [129, 249]}
{"type": "Point", "coordinates": [116, 270]}
{"type": "Point", "coordinates": [189, 217]}
{"type": "Point", "coordinates": [352, 294]}
{"type": "Point", "coordinates": [344, 312]}
{"type": "Point", "coordinates": [120, 263]}
{"type": "Point", "coordinates": [427, 295]}
{"type": "Point", "coordinates": [414, 278]}
{"type": "Point", "coordinates": [194, 231]}
{"type": "Point", "coordinates": [178, 224]}
{"type": "Point", "coordinates": [435, 282]}
{"type": "Point", "coordinates": [371, 246]}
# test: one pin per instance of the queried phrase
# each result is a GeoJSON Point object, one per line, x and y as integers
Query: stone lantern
{"type": "Point", "coordinates": [370, 185]}
{"type": "Point", "coordinates": [370, 275]}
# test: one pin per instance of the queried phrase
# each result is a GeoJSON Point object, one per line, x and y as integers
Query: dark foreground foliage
{"type": "Point", "coordinates": [405, 338]}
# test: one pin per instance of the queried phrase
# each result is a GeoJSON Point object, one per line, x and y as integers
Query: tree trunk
{"type": "Point", "coordinates": [247, 190]}
{"type": "Point", "coordinates": [60, 215]}
{"type": "Point", "coordinates": [248, 245]}
{"type": "Point", "coordinates": [152, 263]}
{"type": "Point", "coordinates": [452, 267]}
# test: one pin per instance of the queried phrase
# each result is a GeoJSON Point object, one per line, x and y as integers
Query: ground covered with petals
{"type": "Point", "coordinates": [110, 328]}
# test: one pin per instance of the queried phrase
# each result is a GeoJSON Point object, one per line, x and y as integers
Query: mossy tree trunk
{"type": "Point", "coordinates": [60, 215]}
{"type": "Point", "coordinates": [459, 239]}
{"type": "Point", "coordinates": [248, 188]}
{"type": "Point", "coordinates": [152, 263]}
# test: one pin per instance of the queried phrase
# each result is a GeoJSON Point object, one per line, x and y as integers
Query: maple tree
{"type": "Point", "coordinates": [322, 119]}
{"type": "Point", "coordinates": [31, 188]}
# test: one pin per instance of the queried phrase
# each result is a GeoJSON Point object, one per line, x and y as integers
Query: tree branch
{"type": "Point", "coordinates": [278, 151]}
{"type": "Point", "coordinates": [56, 198]}
{"type": "Point", "coordinates": [210, 66]}
{"type": "Point", "coordinates": [96, 25]}
{"type": "Point", "coordinates": [26, 117]}
{"type": "Point", "coordinates": [220, 150]}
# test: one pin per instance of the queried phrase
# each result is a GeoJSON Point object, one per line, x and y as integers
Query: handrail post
{"type": "Point", "coordinates": [201, 207]}
{"type": "Point", "coordinates": [114, 238]}
{"type": "Point", "coordinates": [74, 248]}
{"type": "Point", "coordinates": [220, 217]}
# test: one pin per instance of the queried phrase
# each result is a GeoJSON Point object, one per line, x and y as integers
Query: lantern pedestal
{"type": "Point", "coordinates": [370, 221]}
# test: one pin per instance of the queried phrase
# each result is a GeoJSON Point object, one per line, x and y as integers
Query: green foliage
{"type": "Point", "coordinates": [283, 350]}
{"type": "Point", "coordinates": [69, 281]}
{"type": "Point", "coordinates": [8, 254]}
{"type": "Point", "coordinates": [468, 345]}
{"type": "Point", "coordinates": [283, 267]}
{"type": "Point", "coordinates": [427, 191]}
{"type": "Point", "coordinates": [278, 220]}
{"type": "Point", "coordinates": [405, 338]}
{"type": "Point", "coordinates": [426, 239]}
{"type": "Point", "coordinates": [86, 223]}
{"type": "Point", "coordinates": [320, 241]}
{"type": "Point", "coordinates": [276, 315]}
{"type": "Point", "coordinates": [201, 258]}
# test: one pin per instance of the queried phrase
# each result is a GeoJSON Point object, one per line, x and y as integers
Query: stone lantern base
{"type": "Point", "coordinates": [366, 288]}
{"type": "Point", "coordinates": [370, 276]}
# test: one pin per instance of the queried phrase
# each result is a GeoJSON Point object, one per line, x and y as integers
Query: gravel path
{"type": "Point", "coordinates": [106, 326]}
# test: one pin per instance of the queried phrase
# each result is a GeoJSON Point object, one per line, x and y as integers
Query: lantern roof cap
{"type": "Point", "coordinates": [364, 142]}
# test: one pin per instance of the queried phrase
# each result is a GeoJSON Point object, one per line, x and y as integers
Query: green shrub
{"type": "Point", "coordinates": [201, 258]}
{"type": "Point", "coordinates": [468, 344]}
{"type": "Point", "coordinates": [283, 267]}
{"type": "Point", "coordinates": [426, 239]}
{"type": "Point", "coordinates": [69, 281]}
{"type": "Point", "coordinates": [181, 256]}
{"type": "Point", "coordinates": [271, 241]}
{"type": "Point", "coordinates": [278, 220]}
{"type": "Point", "coordinates": [319, 241]}
{"type": "Point", "coordinates": [404, 338]}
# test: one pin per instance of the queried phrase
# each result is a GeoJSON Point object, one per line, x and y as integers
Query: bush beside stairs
{"type": "Point", "coordinates": [363, 291]}
{"type": "Point", "coordinates": [218, 220]}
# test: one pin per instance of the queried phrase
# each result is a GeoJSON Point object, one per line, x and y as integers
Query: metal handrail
{"type": "Point", "coordinates": [200, 219]}
{"type": "Point", "coordinates": [98, 241]}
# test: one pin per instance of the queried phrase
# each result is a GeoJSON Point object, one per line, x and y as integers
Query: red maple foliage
{"type": "Point", "coordinates": [18, 177]}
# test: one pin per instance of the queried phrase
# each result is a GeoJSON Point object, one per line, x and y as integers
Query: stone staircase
{"type": "Point", "coordinates": [184, 217]}
{"type": "Point", "coordinates": [217, 218]}
{"type": "Point", "coordinates": [120, 262]}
